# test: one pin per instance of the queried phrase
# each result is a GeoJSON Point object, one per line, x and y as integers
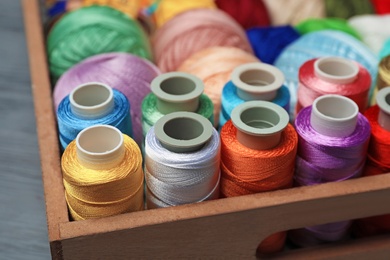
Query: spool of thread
{"type": "Point", "coordinates": [320, 44]}
{"type": "Point", "coordinates": [129, 7]}
{"type": "Point", "coordinates": [381, 6]}
{"type": "Point", "coordinates": [258, 149]}
{"type": "Point", "coordinates": [284, 12]}
{"type": "Point", "coordinates": [172, 92]}
{"type": "Point", "coordinates": [193, 31]}
{"type": "Point", "coordinates": [378, 160]}
{"type": "Point", "coordinates": [102, 171]}
{"type": "Point", "coordinates": [182, 158]}
{"type": "Point", "coordinates": [269, 42]}
{"type": "Point", "coordinates": [253, 81]}
{"type": "Point", "coordinates": [333, 75]}
{"type": "Point", "coordinates": [248, 13]}
{"type": "Point", "coordinates": [333, 141]}
{"type": "Point", "coordinates": [92, 104]}
{"type": "Point", "coordinates": [102, 27]}
{"type": "Point", "coordinates": [319, 24]}
{"type": "Point", "coordinates": [383, 79]}
{"type": "Point", "coordinates": [371, 29]}
{"type": "Point", "coordinates": [347, 8]}
{"type": "Point", "coordinates": [127, 73]}
{"type": "Point", "coordinates": [220, 63]}
{"type": "Point", "coordinates": [167, 9]}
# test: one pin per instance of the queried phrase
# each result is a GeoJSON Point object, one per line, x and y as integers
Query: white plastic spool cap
{"type": "Point", "coordinates": [92, 100]}
{"type": "Point", "coordinates": [259, 124]}
{"type": "Point", "coordinates": [334, 115]}
{"type": "Point", "coordinates": [336, 70]}
{"type": "Point", "coordinates": [177, 91]}
{"type": "Point", "coordinates": [182, 132]}
{"type": "Point", "coordinates": [257, 81]}
{"type": "Point", "coordinates": [383, 101]}
{"type": "Point", "coordinates": [100, 144]}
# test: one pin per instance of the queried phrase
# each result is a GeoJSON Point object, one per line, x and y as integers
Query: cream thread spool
{"type": "Point", "coordinates": [259, 124]}
{"type": "Point", "coordinates": [257, 81]}
{"type": "Point", "coordinates": [383, 102]}
{"type": "Point", "coordinates": [177, 91]}
{"type": "Point", "coordinates": [92, 100]}
{"type": "Point", "coordinates": [334, 115]}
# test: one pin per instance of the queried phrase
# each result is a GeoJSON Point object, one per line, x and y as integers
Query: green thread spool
{"type": "Point", "coordinates": [338, 24]}
{"type": "Point", "coordinates": [93, 30]}
{"type": "Point", "coordinates": [347, 8]}
{"type": "Point", "coordinates": [175, 91]}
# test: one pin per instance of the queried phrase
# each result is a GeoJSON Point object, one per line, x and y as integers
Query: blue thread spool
{"type": "Point", "coordinates": [92, 104]}
{"type": "Point", "coordinates": [253, 81]}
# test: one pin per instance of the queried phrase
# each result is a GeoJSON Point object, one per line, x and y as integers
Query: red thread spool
{"type": "Point", "coordinates": [248, 13]}
{"type": "Point", "coordinates": [333, 75]}
{"type": "Point", "coordinates": [378, 159]}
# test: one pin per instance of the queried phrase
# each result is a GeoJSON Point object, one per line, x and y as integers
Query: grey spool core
{"type": "Point", "coordinates": [334, 115]}
{"type": "Point", "coordinates": [259, 124]}
{"type": "Point", "coordinates": [99, 144]}
{"type": "Point", "coordinates": [336, 70]}
{"type": "Point", "coordinates": [257, 81]}
{"type": "Point", "coordinates": [182, 132]}
{"type": "Point", "coordinates": [92, 100]}
{"type": "Point", "coordinates": [177, 91]}
{"type": "Point", "coordinates": [383, 101]}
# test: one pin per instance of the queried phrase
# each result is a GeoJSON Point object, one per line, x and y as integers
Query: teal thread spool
{"type": "Point", "coordinates": [93, 30]}
{"type": "Point", "coordinates": [172, 92]}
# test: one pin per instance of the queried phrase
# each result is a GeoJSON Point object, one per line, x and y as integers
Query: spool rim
{"type": "Point", "coordinates": [383, 101]}
{"type": "Point", "coordinates": [177, 145]}
{"type": "Point", "coordinates": [256, 92]}
{"type": "Point", "coordinates": [350, 69]}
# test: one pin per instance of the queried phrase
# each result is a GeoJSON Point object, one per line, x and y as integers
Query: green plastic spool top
{"type": "Point", "coordinates": [90, 31]}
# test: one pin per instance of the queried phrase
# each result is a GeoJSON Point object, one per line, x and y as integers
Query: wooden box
{"type": "Point", "coordinates": [225, 228]}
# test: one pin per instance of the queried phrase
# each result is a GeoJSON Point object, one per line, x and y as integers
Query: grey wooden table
{"type": "Point", "coordinates": [23, 231]}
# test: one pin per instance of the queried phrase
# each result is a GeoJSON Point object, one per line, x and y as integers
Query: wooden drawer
{"type": "Point", "coordinates": [225, 228]}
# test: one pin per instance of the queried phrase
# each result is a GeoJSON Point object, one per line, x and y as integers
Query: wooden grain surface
{"type": "Point", "coordinates": [23, 230]}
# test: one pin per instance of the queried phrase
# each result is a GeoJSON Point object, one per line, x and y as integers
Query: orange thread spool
{"type": "Point", "coordinates": [378, 159]}
{"type": "Point", "coordinates": [214, 66]}
{"type": "Point", "coordinates": [258, 150]}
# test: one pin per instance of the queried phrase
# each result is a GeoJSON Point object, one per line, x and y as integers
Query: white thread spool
{"type": "Point", "coordinates": [334, 115]}
{"type": "Point", "coordinates": [336, 70]}
{"type": "Point", "coordinates": [92, 100]}
{"type": "Point", "coordinates": [383, 101]}
{"type": "Point", "coordinates": [257, 81]}
{"type": "Point", "coordinates": [177, 91]}
{"type": "Point", "coordinates": [259, 124]}
{"type": "Point", "coordinates": [100, 145]}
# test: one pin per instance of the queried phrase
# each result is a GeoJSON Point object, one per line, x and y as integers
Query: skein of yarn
{"type": "Point", "coordinates": [182, 158]}
{"type": "Point", "coordinates": [258, 149]}
{"type": "Point", "coordinates": [102, 27]}
{"type": "Point", "coordinates": [102, 173]}
{"type": "Point", "coordinates": [269, 42]}
{"type": "Point", "coordinates": [378, 160]}
{"type": "Point", "coordinates": [347, 8]}
{"type": "Point", "coordinates": [371, 29]}
{"type": "Point", "coordinates": [92, 104]}
{"type": "Point", "coordinates": [127, 73]}
{"type": "Point", "coordinates": [129, 7]}
{"type": "Point", "coordinates": [192, 31]}
{"type": "Point", "coordinates": [284, 12]}
{"type": "Point", "coordinates": [248, 13]}
{"type": "Point", "coordinates": [167, 9]}
{"type": "Point", "coordinates": [253, 81]}
{"type": "Point", "coordinates": [333, 75]}
{"type": "Point", "coordinates": [381, 6]}
{"type": "Point", "coordinates": [385, 50]}
{"type": "Point", "coordinates": [320, 44]}
{"type": "Point", "coordinates": [337, 24]}
{"type": "Point", "coordinates": [220, 63]}
{"type": "Point", "coordinates": [172, 92]}
{"type": "Point", "coordinates": [333, 141]}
